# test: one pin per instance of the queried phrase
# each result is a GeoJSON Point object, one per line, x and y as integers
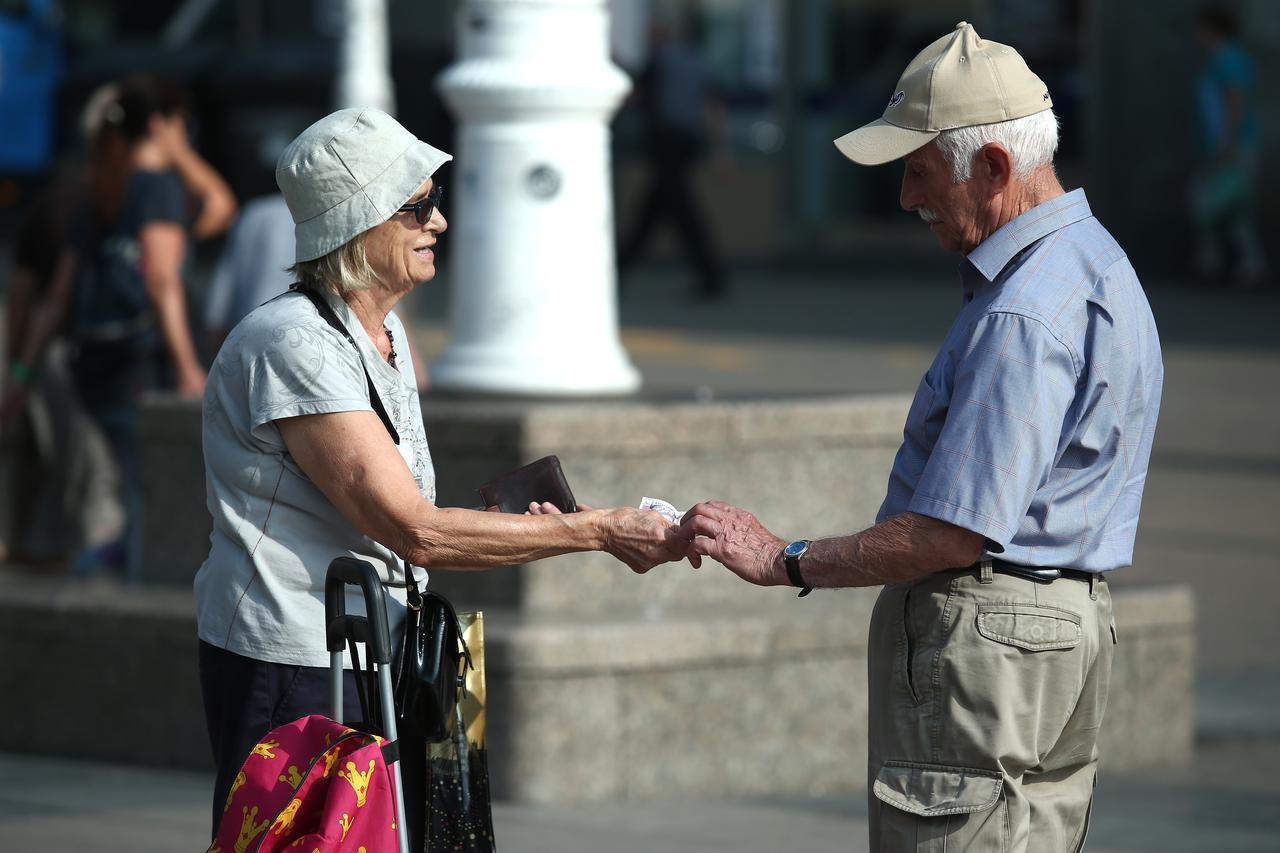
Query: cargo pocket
{"type": "Point", "coordinates": [1034, 627]}
{"type": "Point", "coordinates": [937, 807]}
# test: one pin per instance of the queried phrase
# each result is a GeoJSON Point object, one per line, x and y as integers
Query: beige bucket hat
{"type": "Point", "coordinates": [958, 81]}
{"type": "Point", "coordinates": [348, 172]}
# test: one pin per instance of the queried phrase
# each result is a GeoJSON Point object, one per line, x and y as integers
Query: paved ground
{"type": "Point", "coordinates": [52, 805]}
{"type": "Point", "coordinates": [1209, 520]}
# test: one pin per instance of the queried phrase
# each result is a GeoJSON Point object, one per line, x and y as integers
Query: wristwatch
{"type": "Point", "coordinates": [791, 559]}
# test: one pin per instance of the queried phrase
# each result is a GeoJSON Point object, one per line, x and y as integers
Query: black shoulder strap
{"type": "Point", "coordinates": [323, 309]}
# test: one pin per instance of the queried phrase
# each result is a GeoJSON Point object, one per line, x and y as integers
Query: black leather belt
{"type": "Point", "coordinates": [1043, 574]}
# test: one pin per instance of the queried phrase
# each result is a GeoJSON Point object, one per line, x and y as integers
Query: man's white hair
{"type": "Point", "coordinates": [1031, 142]}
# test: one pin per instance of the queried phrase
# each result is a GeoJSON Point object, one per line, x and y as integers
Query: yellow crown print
{"type": "Point", "coordinates": [293, 777]}
{"type": "Point", "coordinates": [285, 821]}
{"type": "Point", "coordinates": [249, 830]}
{"type": "Point", "coordinates": [359, 781]}
{"type": "Point", "coordinates": [331, 759]}
{"type": "Point", "coordinates": [264, 749]}
{"type": "Point", "coordinates": [235, 786]}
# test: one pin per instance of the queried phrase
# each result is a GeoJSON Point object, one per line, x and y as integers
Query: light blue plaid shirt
{"type": "Point", "coordinates": [1033, 426]}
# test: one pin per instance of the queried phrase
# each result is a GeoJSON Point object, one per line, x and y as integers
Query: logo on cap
{"type": "Point", "coordinates": [1046, 97]}
{"type": "Point", "coordinates": [897, 99]}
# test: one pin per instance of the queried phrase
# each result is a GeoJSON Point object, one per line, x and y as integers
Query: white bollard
{"type": "Point", "coordinates": [530, 205]}
{"type": "Point", "coordinates": [364, 58]}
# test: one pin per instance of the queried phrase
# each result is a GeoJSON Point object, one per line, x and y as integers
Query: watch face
{"type": "Point", "coordinates": [795, 549]}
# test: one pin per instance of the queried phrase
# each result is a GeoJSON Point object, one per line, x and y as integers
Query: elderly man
{"type": "Point", "coordinates": [1017, 486]}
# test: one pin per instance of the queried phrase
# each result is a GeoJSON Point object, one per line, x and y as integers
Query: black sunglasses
{"type": "Point", "coordinates": [424, 207]}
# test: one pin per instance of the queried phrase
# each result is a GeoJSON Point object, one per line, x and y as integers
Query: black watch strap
{"type": "Point", "coordinates": [792, 565]}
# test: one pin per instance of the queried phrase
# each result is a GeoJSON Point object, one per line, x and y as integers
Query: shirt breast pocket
{"type": "Point", "coordinates": [927, 413]}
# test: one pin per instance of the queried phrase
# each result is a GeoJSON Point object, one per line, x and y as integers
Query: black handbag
{"type": "Point", "coordinates": [433, 665]}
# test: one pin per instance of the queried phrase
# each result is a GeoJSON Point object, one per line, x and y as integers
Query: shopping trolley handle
{"type": "Point", "coordinates": [344, 571]}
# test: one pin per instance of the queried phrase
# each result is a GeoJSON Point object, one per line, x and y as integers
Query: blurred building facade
{"type": "Point", "coordinates": [259, 72]}
{"type": "Point", "coordinates": [797, 74]}
{"type": "Point", "coordinates": [794, 74]}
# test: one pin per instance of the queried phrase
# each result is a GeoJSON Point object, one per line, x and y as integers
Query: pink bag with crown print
{"type": "Point", "coordinates": [311, 785]}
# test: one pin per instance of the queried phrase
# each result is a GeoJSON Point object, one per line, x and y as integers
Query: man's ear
{"type": "Point", "coordinates": [994, 164]}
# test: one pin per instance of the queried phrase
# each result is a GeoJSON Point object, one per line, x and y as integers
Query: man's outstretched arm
{"type": "Point", "coordinates": [898, 549]}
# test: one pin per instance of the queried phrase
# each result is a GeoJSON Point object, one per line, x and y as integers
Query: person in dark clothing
{"type": "Point", "coordinates": [45, 470]}
{"type": "Point", "coordinates": [1225, 181]}
{"type": "Point", "coordinates": [677, 98]}
{"type": "Point", "coordinates": [121, 286]}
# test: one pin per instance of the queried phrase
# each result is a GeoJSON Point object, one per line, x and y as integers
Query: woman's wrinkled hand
{"type": "Point", "coordinates": [642, 539]}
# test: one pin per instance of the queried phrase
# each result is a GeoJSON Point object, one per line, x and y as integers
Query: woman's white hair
{"type": "Point", "coordinates": [1031, 142]}
{"type": "Point", "coordinates": [344, 270]}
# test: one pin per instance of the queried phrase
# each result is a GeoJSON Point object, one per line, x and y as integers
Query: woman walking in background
{"type": "Point", "coordinates": [118, 289]}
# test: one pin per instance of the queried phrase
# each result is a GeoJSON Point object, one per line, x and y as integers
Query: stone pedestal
{"type": "Point", "coordinates": [584, 704]}
{"type": "Point", "coordinates": [606, 705]}
{"type": "Point", "coordinates": [531, 208]}
{"type": "Point", "coordinates": [175, 517]}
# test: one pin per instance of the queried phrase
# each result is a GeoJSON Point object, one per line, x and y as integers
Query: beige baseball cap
{"type": "Point", "coordinates": [348, 172]}
{"type": "Point", "coordinates": [958, 81]}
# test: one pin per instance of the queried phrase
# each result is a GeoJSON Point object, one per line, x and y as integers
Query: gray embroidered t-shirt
{"type": "Point", "coordinates": [260, 593]}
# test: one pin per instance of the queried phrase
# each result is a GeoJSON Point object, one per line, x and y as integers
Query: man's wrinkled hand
{"type": "Point", "coordinates": [734, 538]}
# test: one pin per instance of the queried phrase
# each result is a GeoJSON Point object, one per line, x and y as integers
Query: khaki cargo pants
{"type": "Point", "coordinates": [985, 702]}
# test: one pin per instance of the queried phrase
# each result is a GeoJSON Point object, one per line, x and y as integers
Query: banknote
{"type": "Point", "coordinates": [668, 511]}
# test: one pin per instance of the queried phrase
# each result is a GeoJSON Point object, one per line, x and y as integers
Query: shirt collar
{"type": "Point", "coordinates": [994, 253]}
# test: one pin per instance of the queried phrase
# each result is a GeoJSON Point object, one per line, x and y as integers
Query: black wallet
{"type": "Point", "coordinates": [533, 483]}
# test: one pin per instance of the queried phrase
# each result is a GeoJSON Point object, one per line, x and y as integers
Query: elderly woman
{"type": "Point", "coordinates": [314, 445]}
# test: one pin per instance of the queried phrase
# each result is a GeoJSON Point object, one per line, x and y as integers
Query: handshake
{"type": "Point", "coordinates": [657, 533]}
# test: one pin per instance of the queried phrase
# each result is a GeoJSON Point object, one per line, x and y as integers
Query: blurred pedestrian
{"type": "Point", "coordinates": [45, 458]}
{"type": "Point", "coordinates": [1017, 486]}
{"type": "Point", "coordinates": [254, 266]}
{"type": "Point", "coordinates": [1223, 192]}
{"type": "Point", "coordinates": [682, 116]}
{"type": "Point", "coordinates": [31, 66]}
{"type": "Point", "coordinates": [124, 294]}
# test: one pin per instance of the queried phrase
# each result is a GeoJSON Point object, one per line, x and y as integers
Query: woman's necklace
{"type": "Point", "coordinates": [391, 341]}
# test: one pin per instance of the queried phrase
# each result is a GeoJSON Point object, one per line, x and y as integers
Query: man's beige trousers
{"type": "Point", "coordinates": [985, 703]}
